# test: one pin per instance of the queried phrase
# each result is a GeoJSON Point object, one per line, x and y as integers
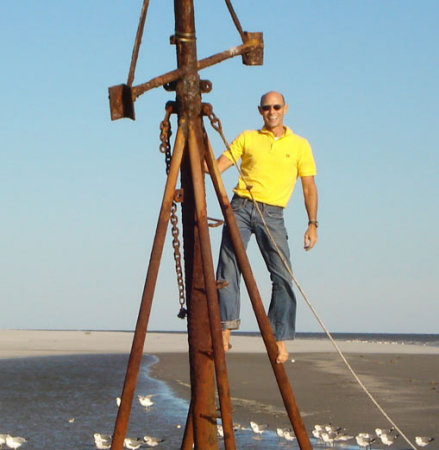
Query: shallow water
{"type": "Point", "coordinates": [58, 402]}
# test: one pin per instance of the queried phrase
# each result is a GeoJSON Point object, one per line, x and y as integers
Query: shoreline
{"type": "Point", "coordinates": [29, 343]}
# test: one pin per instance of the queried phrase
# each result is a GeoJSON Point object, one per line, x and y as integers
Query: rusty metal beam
{"type": "Point", "coordinates": [188, 98]}
{"type": "Point", "coordinates": [196, 154]}
{"type": "Point", "coordinates": [123, 414]}
{"type": "Point", "coordinates": [251, 45]}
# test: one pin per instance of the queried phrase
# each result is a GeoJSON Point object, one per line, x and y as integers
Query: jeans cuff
{"type": "Point", "coordinates": [230, 324]}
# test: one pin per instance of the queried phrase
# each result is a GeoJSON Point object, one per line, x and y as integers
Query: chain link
{"type": "Point", "coordinates": [165, 147]}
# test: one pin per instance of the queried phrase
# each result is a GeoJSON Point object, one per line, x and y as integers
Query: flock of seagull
{"type": "Point", "coordinates": [326, 434]}
{"type": "Point", "coordinates": [103, 441]}
{"type": "Point", "coordinates": [329, 434]}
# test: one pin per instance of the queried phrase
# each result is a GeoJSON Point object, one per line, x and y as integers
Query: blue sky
{"type": "Point", "coordinates": [80, 194]}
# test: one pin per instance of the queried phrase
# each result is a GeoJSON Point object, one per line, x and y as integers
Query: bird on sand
{"type": "Point", "coordinates": [423, 441]}
{"type": "Point", "coordinates": [258, 429]}
{"type": "Point", "coordinates": [133, 444]}
{"type": "Point", "coordinates": [15, 441]}
{"type": "Point", "coordinates": [388, 438]}
{"type": "Point", "coordinates": [364, 439]}
{"type": "Point", "coordinates": [102, 441]}
{"type": "Point", "coordinates": [152, 441]}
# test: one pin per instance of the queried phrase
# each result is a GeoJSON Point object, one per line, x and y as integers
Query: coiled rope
{"type": "Point", "coordinates": [216, 124]}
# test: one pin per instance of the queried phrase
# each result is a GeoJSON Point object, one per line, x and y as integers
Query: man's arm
{"type": "Point", "coordinates": [222, 162]}
{"type": "Point", "coordinates": [310, 196]}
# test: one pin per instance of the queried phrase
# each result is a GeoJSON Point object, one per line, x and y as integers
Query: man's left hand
{"type": "Point", "coordinates": [310, 237]}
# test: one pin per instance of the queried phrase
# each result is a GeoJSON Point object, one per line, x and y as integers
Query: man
{"type": "Point", "coordinates": [271, 160]}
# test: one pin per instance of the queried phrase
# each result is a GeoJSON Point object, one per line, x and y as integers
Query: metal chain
{"type": "Point", "coordinates": [165, 147]}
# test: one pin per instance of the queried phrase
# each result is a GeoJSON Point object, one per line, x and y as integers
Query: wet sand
{"type": "Point", "coordinates": [405, 385]}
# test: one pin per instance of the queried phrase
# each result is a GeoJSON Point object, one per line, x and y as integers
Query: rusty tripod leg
{"type": "Point", "coordinates": [258, 307]}
{"type": "Point", "coordinates": [132, 372]}
{"type": "Point", "coordinates": [196, 144]}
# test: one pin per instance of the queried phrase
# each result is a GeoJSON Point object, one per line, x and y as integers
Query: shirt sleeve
{"type": "Point", "coordinates": [306, 166]}
{"type": "Point", "coordinates": [236, 149]}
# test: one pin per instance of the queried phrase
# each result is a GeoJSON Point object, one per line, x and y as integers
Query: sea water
{"type": "Point", "coordinates": [59, 402]}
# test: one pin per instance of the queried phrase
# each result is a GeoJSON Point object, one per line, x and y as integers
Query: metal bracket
{"type": "Point", "coordinates": [121, 102]}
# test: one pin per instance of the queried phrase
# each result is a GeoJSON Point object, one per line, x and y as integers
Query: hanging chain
{"type": "Point", "coordinates": [165, 147]}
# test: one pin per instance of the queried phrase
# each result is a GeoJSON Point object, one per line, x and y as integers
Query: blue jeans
{"type": "Point", "coordinates": [282, 310]}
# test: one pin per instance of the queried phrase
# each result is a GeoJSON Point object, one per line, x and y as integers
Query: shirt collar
{"type": "Point", "coordinates": [287, 131]}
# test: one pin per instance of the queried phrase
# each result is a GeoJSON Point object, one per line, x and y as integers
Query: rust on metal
{"type": "Point", "coordinates": [251, 45]}
{"type": "Point", "coordinates": [121, 102]}
{"type": "Point", "coordinates": [188, 98]}
{"type": "Point", "coordinates": [254, 56]}
{"type": "Point", "coordinates": [196, 154]}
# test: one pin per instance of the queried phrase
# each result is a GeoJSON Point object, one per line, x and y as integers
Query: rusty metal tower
{"type": "Point", "coordinates": [191, 148]}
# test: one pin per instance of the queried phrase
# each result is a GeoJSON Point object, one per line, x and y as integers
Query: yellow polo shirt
{"type": "Point", "coordinates": [271, 166]}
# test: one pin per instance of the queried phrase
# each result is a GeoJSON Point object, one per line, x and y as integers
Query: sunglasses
{"type": "Point", "coordinates": [268, 107]}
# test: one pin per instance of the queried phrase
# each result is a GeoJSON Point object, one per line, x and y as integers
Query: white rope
{"type": "Point", "coordinates": [316, 315]}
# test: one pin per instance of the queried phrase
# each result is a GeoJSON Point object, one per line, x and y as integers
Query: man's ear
{"type": "Point", "coordinates": [260, 110]}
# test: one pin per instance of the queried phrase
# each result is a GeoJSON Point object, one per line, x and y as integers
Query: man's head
{"type": "Point", "coordinates": [273, 108]}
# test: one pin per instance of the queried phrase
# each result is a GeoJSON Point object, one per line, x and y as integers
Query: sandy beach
{"type": "Point", "coordinates": [404, 379]}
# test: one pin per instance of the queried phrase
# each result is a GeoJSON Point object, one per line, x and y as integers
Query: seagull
{"type": "Point", "coordinates": [329, 437]}
{"type": "Point", "coordinates": [332, 428]}
{"type": "Point", "coordinates": [423, 441]}
{"type": "Point", "coordinates": [380, 431]}
{"type": "Point", "coordinates": [289, 435]}
{"type": "Point", "coordinates": [220, 430]}
{"type": "Point", "coordinates": [343, 437]}
{"type": "Point", "coordinates": [388, 438]}
{"type": "Point", "coordinates": [364, 439]}
{"type": "Point", "coordinates": [71, 420]}
{"type": "Point", "coordinates": [259, 429]}
{"type": "Point", "coordinates": [14, 441]}
{"type": "Point", "coordinates": [152, 441]}
{"type": "Point", "coordinates": [102, 441]}
{"type": "Point", "coordinates": [317, 433]}
{"type": "Point", "coordinates": [145, 400]}
{"type": "Point", "coordinates": [118, 400]}
{"type": "Point", "coordinates": [281, 431]}
{"type": "Point", "coordinates": [102, 445]}
{"type": "Point", "coordinates": [133, 444]}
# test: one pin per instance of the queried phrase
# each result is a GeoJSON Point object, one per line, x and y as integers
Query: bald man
{"type": "Point", "coordinates": [272, 158]}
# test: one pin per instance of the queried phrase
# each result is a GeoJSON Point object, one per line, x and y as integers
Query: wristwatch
{"type": "Point", "coordinates": [314, 222]}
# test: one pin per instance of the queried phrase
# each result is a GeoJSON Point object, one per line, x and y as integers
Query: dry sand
{"type": "Point", "coordinates": [404, 379]}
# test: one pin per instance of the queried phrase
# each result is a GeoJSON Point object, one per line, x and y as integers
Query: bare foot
{"type": "Point", "coordinates": [226, 340]}
{"type": "Point", "coordinates": [282, 354]}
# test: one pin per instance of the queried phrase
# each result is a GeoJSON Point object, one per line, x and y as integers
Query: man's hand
{"type": "Point", "coordinates": [310, 237]}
